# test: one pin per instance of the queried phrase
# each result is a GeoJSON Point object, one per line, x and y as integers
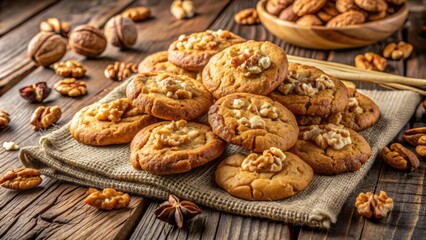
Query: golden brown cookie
{"type": "Point", "coordinates": [273, 175]}
{"type": "Point", "coordinates": [169, 96]}
{"type": "Point", "coordinates": [309, 91]}
{"type": "Point", "coordinates": [102, 124]}
{"type": "Point", "coordinates": [361, 113]}
{"type": "Point", "coordinates": [250, 67]}
{"type": "Point", "coordinates": [192, 52]}
{"type": "Point", "coordinates": [158, 62]}
{"type": "Point", "coordinates": [331, 149]}
{"type": "Point", "coordinates": [253, 122]}
{"type": "Point", "coordinates": [174, 147]}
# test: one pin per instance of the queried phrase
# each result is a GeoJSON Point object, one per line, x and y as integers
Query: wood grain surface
{"type": "Point", "coordinates": [55, 210]}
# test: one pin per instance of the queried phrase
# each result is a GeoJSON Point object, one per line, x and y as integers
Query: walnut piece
{"type": "Point", "coordinates": [400, 157]}
{"type": "Point", "coordinates": [10, 146]}
{"type": "Point", "coordinates": [249, 61]}
{"type": "Point", "coordinates": [172, 88]}
{"type": "Point", "coordinates": [137, 14]}
{"type": "Point", "coordinates": [21, 179]}
{"type": "Point", "coordinates": [329, 135]}
{"type": "Point", "coordinates": [35, 92]}
{"type": "Point", "coordinates": [120, 70]}
{"type": "Point", "coordinates": [44, 117]}
{"type": "Point", "coordinates": [208, 40]}
{"type": "Point", "coordinates": [238, 103]}
{"type": "Point", "coordinates": [354, 106]}
{"type": "Point", "coordinates": [302, 83]}
{"type": "Point", "coordinates": [399, 51]}
{"type": "Point", "coordinates": [115, 110]}
{"type": "Point", "coordinates": [182, 9]}
{"type": "Point", "coordinates": [56, 26]}
{"type": "Point", "coordinates": [108, 199]}
{"type": "Point", "coordinates": [4, 119]}
{"type": "Point", "coordinates": [271, 160]}
{"type": "Point", "coordinates": [254, 122]}
{"type": "Point", "coordinates": [370, 61]}
{"type": "Point", "coordinates": [247, 16]}
{"type": "Point", "coordinates": [370, 205]}
{"type": "Point", "coordinates": [174, 134]}
{"type": "Point", "coordinates": [71, 87]}
{"type": "Point", "coordinates": [70, 68]}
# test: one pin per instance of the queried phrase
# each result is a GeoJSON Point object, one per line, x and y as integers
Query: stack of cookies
{"type": "Point", "coordinates": [293, 119]}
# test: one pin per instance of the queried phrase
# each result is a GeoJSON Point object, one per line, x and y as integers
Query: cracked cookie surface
{"type": "Point", "coordinates": [174, 147]}
{"type": "Point", "coordinates": [329, 160]}
{"type": "Point", "coordinates": [169, 96]}
{"type": "Point", "coordinates": [295, 176]}
{"type": "Point", "coordinates": [250, 67]}
{"type": "Point", "coordinates": [309, 91]}
{"type": "Point", "coordinates": [254, 122]}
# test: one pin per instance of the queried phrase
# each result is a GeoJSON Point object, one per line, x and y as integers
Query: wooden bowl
{"type": "Point", "coordinates": [321, 37]}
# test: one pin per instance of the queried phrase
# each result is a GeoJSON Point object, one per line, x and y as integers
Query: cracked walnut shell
{"type": "Point", "coordinates": [370, 205]}
{"type": "Point", "coordinates": [56, 26]}
{"type": "Point", "coordinates": [70, 68]}
{"type": "Point", "coordinates": [400, 157]}
{"type": "Point", "coordinates": [71, 87]}
{"type": "Point", "coordinates": [4, 119]}
{"type": "Point", "coordinates": [120, 70]}
{"type": "Point", "coordinates": [247, 16]}
{"type": "Point", "coordinates": [21, 179]}
{"type": "Point", "coordinates": [108, 199]}
{"type": "Point", "coordinates": [44, 117]}
{"type": "Point", "coordinates": [137, 14]}
{"type": "Point", "coordinates": [370, 61]}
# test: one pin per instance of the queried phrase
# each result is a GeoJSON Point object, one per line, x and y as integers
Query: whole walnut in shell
{"type": "Point", "coordinates": [87, 40]}
{"type": "Point", "coordinates": [121, 32]}
{"type": "Point", "coordinates": [46, 48]}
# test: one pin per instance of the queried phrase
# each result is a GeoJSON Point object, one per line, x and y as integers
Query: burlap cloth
{"type": "Point", "coordinates": [60, 156]}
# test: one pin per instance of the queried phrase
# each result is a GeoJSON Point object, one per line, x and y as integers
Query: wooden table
{"type": "Point", "coordinates": [55, 210]}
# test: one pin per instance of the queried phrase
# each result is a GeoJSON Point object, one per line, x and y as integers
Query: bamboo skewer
{"type": "Point", "coordinates": [351, 73]}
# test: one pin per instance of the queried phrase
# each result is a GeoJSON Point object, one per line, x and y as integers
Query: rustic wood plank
{"type": "Point", "coordinates": [14, 63]}
{"type": "Point", "coordinates": [15, 12]}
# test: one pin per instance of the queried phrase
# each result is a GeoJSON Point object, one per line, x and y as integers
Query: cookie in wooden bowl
{"type": "Point", "coordinates": [254, 122]}
{"type": "Point", "coordinates": [174, 147]}
{"type": "Point", "coordinates": [331, 149]}
{"type": "Point", "coordinates": [102, 124]}
{"type": "Point", "coordinates": [272, 175]}
{"type": "Point", "coordinates": [309, 91]}
{"type": "Point", "coordinates": [250, 67]}
{"type": "Point", "coordinates": [169, 96]}
{"type": "Point", "coordinates": [192, 52]}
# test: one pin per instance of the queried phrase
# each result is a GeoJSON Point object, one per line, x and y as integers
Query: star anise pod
{"type": "Point", "coordinates": [175, 212]}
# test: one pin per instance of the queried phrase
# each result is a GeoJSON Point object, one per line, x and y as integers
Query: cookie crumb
{"type": "Point", "coordinates": [10, 146]}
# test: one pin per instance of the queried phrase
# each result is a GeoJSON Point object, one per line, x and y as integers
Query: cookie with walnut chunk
{"type": "Point", "coordinates": [331, 149]}
{"type": "Point", "coordinates": [102, 124]}
{"type": "Point", "coordinates": [169, 96]}
{"type": "Point", "coordinates": [250, 67]}
{"type": "Point", "coordinates": [309, 91]}
{"type": "Point", "coordinates": [254, 122]}
{"type": "Point", "coordinates": [192, 52]}
{"type": "Point", "coordinates": [273, 175]}
{"type": "Point", "coordinates": [174, 147]}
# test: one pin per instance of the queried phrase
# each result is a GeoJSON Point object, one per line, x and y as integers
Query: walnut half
{"type": "Point", "coordinates": [377, 206]}
{"type": "Point", "coordinates": [44, 117]}
{"type": "Point", "coordinates": [115, 110]}
{"type": "Point", "coordinates": [173, 134]}
{"type": "Point", "coordinates": [108, 199]}
{"type": "Point", "coordinates": [271, 160]}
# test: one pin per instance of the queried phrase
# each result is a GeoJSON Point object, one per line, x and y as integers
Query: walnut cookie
{"type": "Point", "coordinates": [102, 124]}
{"type": "Point", "coordinates": [192, 52]}
{"type": "Point", "coordinates": [174, 147]}
{"type": "Point", "coordinates": [331, 149]}
{"type": "Point", "coordinates": [250, 67]}
{"type": "Point", "coordinates": [361, 113]}
{"type": "Point", "coordinates": [169, 96]}
{"type": "Point", "coordinates": [309, 91]}
{"type": "Point", "coordinates": [246, 177]}
{"type": "Point", "coordinates": [253, 122]}
{"type": "Point", "coordinates": [158, 62]}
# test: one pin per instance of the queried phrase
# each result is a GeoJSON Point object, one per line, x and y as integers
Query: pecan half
{"type": "Point", "coordinates": [108, 199]}
{"type": "Point", "coordinates": [176, 212]}
{"type": "Point", "coordinates": [304, 7]}
{"type": "Point", "coordinates": [44, 117]}
{"type": "Point", "coordinates": [421, 150]}
{"type": "Point", "coordinates": [348, 18]}
{"type": "Point", "coordinates": [413, 135]}
{"type": "Point", "coordinates": [35, 92]}
{"type": "Point", "coordinates": [70, 68]}
{"type": "Point", "coordinates": [137, 14]}
{"type": "Point", "coordinates": [4, 119]}
{"type": "Point", "coordinates": [377, 206]}
{"type": "Point", "coordinates": [71, 87]}
{"type": "Point", "coordinates": [400, 157]}
{"type": "Point", "coordinates": [55, 25]}
{"type": "Point", "coordinates": [21, 179]}
{"type": "Point", "coordinates": [247, 16]}
{"type": "Point", "coordinates": [120, 70]}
